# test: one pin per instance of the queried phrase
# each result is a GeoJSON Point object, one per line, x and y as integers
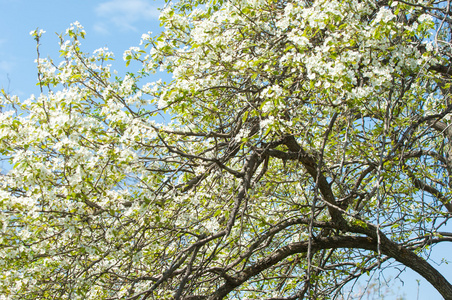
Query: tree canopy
{"type": "Point", "coordinates": [299, 145]}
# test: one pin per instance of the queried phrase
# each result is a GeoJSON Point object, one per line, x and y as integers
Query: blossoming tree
{"type": "Point", "coordinates": [309, 143]}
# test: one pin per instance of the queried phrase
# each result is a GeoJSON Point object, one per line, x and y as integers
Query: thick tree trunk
{"type": "Point", "coordinates": [419, 265]}
{"type": "Point", "coordinates": [389, 248]}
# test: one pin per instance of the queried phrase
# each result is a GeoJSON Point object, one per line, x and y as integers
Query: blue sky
{"type": "Point", "coordinates": [116, 24]}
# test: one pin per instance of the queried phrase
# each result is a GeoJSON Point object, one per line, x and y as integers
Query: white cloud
{"type": "Point", "coordinates": [101, 28]}
{"type": "Point", "coordinates": [124, 14]}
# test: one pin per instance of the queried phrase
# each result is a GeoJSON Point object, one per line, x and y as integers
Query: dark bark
{"type": "Point", "coordinates": [312, 167]}
{"type": "Point", "coordinates": [389, 248]}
